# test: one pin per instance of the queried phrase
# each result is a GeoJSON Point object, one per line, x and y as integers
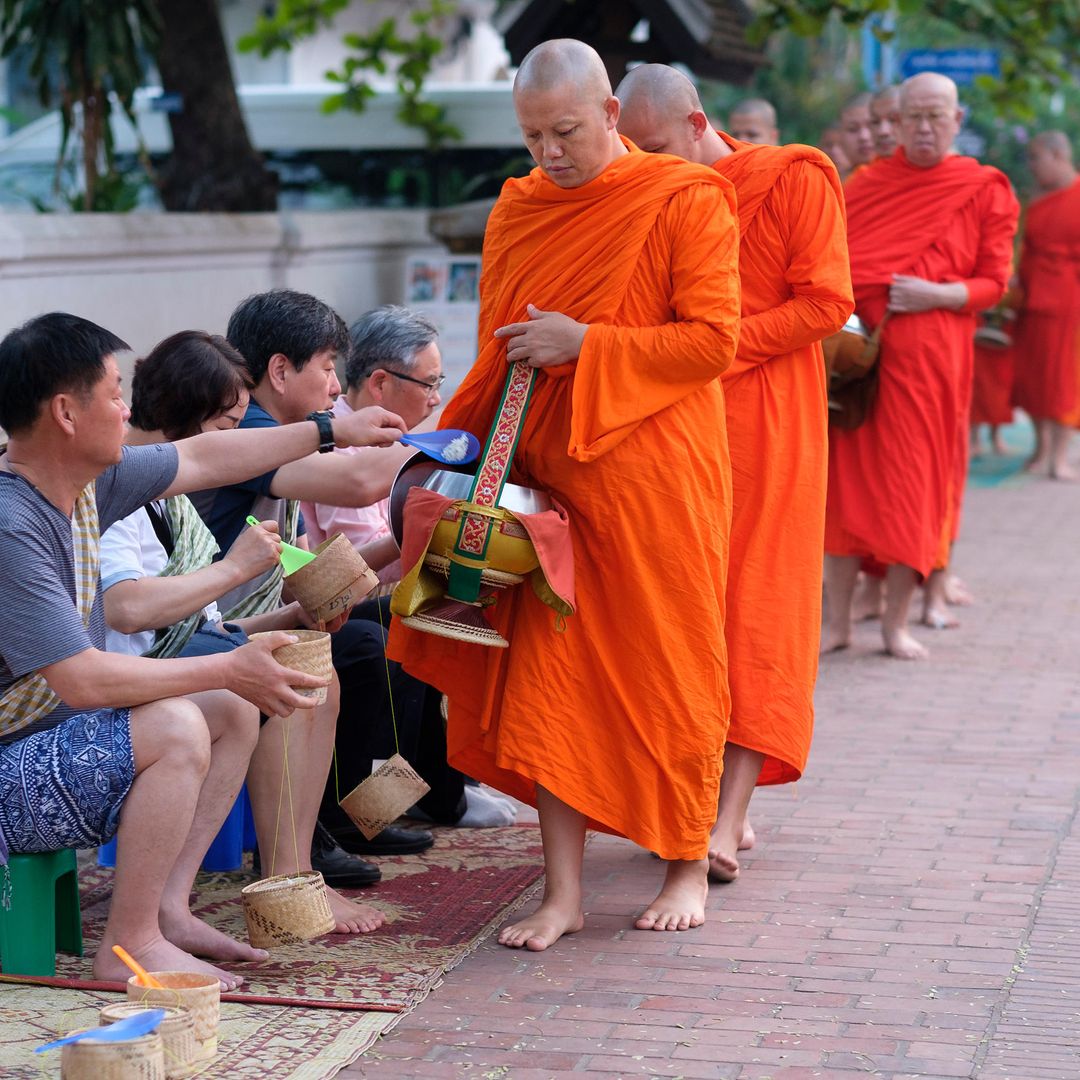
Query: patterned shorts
{"type": "Point", "coordinates": [63, 788]}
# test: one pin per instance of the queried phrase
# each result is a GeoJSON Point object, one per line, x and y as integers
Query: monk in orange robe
{"type": "Point", "coordinates": [1048, 330]}
{"type": "Point", "coordinates": [753, 120]}
{"type": "Point", "coordinates": [930, 235]}
{"type": "Point", "coordinates": [857, 133]}
{"type": "Point", "coordinates": [616, 274]}
{"type": "Point", "coordinates": [991, 396]}
{"type": "Point", "coordinates": [796, 289]}
{"type": "Point", "coordinates": [885, 121]}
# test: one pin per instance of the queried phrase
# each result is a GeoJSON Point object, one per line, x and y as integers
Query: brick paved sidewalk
{"type": "Point", "coordinates": [911, 908]}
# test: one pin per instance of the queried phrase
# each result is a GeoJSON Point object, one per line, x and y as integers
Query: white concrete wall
{"type": "Point", "coordinates": [145, 276]}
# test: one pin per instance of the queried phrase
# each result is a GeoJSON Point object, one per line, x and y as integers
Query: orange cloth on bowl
{"type": "Point", "coordinates": [896, 483]}
{"type": "Point", "coordinates": [622, 715]}
{"type": "Point", "coordinates": [1048, 330]}
{"type": "Point", "coordinates": [796, 290]}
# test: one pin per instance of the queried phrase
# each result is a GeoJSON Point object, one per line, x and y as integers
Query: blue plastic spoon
{"type": "Point", "coordinates": [131, 1027]}
{"type": "Point", "coordinates": [451, 447]}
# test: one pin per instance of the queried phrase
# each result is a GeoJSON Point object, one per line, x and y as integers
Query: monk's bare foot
{"type": "Point", "coordinates": [157, 955]}
{"type": "Point", "coordinates": [353, 918]}
{"type": "Point", "coordinates": [748, 838]}
{"type": "Point", "coordinates": [1064, 472]}
{"type": "Point", "coordinates": [938, 617]}
{"type": "Point", "coordinates": [903, 646]}
{"type": "Point", "coordinates": [198, 938]}
{"type": "Point", "coordinates": [680, 904]}
{"type": "Point", "coordinates": [541, 929]}
{"type": "Point", "coordinates": [869, 599]}
{"type": "Point", "coordinates": [834, 638]}
{"type": "Point", "coordinates": [723, 864]}
{"type": "Point", "coordinates": [957, 594]}
{"type": "Point", "coordinates": [1037, 463]}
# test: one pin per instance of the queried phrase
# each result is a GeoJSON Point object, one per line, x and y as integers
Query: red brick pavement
{"type": "Point", "coordinates": [911, 909]}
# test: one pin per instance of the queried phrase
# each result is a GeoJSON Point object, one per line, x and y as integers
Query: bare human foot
{"type": "Point", "coordinates": [903, 646]}
{"type": "Point", "coordinates": [1064, 472]}
{"type": "Point", "coordinates": [680, 904]}
{"type": "Point", "coordinates": [157, 955]}
{"type": "Point", "coordinates": [541, 929]}
{"type": "Point", "coordinates": [833, 639]}
{"type": "Point", "coordinates": [939, 618]}
{"type": "Point", "coordinates": [1037, 463]}
{"type": "Point", "coordinates": [723, 862]}
{"type": "Point", "coordinates": [200, 939]}
{"type": "Point", "coordinates": [748, 838]}
{"type": "Point", "coordinates": [957, 594]}
{"type": "Point", "coordinates": [353, 918]}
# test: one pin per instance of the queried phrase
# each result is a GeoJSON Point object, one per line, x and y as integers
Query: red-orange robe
{"type": "Point", "coordinates": [991, 398]}
{"type": "Point", "coordinates": [623, 715]}
{"type": "Point", "coordinates": [1048, 330]}
{"type": "Point", "coordinates": [893, 483]}
{"type": "Point", "coordinates": [796, 289]}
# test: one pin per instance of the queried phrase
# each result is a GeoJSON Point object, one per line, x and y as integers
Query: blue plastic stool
{"type": "Point", "coordinates": [44, 914]}
{"type": "Point", "coordinates": [226, 852]}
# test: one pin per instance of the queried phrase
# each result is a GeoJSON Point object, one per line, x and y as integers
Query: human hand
{"type": "Point", "coordinates": [371, 426]}
{"type": "Point", "coordinates": [309, 622]}
{"type": "Point", "coordinates": [909, 295]}
{"type": "Point", "coordinates": [255, 550]}
{"type": "Point", "coordinates": [548, 338]}
{"type": "Point", "coordinates": [257, 677]}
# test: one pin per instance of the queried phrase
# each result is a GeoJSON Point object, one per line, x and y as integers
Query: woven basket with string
{"type": "Point", "coordinates": [287, 909]}
{"type": "Point", "coordinates": [333, 581]}
{"type": "Point", "coordinates": [177, 1031]}
{"type": "Point", "coordinates": [311, 655]}
{"type": "Point", "coordinates": [199, 994]}
{"type": "Point", "coordinates": [135, 1059]}
{"type": "Point", "coordinates": [384, 796]}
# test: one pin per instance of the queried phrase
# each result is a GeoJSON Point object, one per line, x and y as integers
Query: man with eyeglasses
{"type": "Point", "coordinates": [930, 236]}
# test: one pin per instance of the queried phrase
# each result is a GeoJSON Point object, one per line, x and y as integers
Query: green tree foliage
{"type": "Point", "coordinates": [409, 54]}
{"type": "Point", "coordinates": [1039, 39]}
{"type": "Point", "coordinates": [83, 57]}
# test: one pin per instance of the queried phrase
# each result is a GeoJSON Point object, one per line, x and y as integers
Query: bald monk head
{"type": "Point", "coordinates": [661, 112]}
{"type": "Point", "coordinates": [832, 143]}
{"type": "Point", "coordinates": [1050, 158]}
{"type": "Point", "coordinates": [930, 118]}
{"type": "Point", "coordinates": [567, 112]}
{"type": "Point", "coordinates": [885, 120]}
{"type": "Point", "coordinates": [754, 121]}
{"type": "Point", "coordinates": [856, 135]}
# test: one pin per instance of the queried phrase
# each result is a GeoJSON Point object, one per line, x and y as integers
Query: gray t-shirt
{"type": "Point", "coordinates": [39, 620]}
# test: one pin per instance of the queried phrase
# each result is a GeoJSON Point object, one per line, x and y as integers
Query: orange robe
{"type": "Point", "coordinates": [895, 483]}
{"type": "Point", "coordinates": [991, 398]}
{"type": "Point", "coordinates": [1048, 330]}
{"type": "Point", "coordinates": [796, 289]}
{"type": "Point", "coordinates": [622, 715]}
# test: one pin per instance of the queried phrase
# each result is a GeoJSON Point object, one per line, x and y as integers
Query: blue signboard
{"type": "Point", "coordinates": [167, 103]}
{"type": "Point", "coordinates": [963, 66]}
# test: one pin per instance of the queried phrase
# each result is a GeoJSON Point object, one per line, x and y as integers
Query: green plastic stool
{"type": "Point", "coordinates": [44, 913]}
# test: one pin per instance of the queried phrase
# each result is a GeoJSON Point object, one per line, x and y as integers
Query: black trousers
{"type": "Point", "coordinates": [377, 696]}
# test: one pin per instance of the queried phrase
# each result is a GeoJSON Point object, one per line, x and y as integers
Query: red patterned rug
{"type": "Point", "coordinates": [440, 905]}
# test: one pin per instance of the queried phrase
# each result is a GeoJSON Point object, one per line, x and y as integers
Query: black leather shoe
{"type": "Point", "coordinates": [391, 841]}
{"type": "Point", "coordinates": [338, 868]}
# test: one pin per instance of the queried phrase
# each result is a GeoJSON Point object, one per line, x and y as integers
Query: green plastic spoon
{"type": "Point", "coordinates": [292, 558]}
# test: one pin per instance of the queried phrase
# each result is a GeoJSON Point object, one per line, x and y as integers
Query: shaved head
{"type": "Point", "coordinates": [885, 120]}
{"type": "Point", "coordinates": [1050, 158]}
{"type": "Point", "coordinates": [566, 111]}
{"type": "Point", "coordinates": [661, 112]}
{"type": "Point", "coordinates": [856, 133]}
{"type": "Point", "coordinates": [560, 63]}
{"type": "Point", "coordinates": [754, 121]}
{"type": "Point", "coordinates": [930, 118]}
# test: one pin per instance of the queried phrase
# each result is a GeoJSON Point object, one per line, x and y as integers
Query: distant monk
{"type": "Point", "coordinates": [831, 143]}
{"type": "Point", "coordinates": [754, 121]}
{"type": "Point", "coordinates": [1048, 331]}
{"type": "Point", "coordinates": [856, 132]}
{"type": "Point", "coordinates": [796, 289]}
{"type": "Point", "coordinates": [885, 120]}
{"type": "Point", "coordinates": [616, 274]}
{"type": "Point", "coordinates": [930, 235]}
{"type": "Point", "coordinates": [991, 396]}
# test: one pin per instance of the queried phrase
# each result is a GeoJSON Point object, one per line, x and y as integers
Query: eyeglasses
{"type": "Point", "coordinates": [430, 387]}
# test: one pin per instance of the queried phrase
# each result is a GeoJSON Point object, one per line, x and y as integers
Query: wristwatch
{"type": "Point", "coordinates": [325, 423]}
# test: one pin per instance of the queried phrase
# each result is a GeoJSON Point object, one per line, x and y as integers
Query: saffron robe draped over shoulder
{"type": "Point", "coordinates": [796, 289]}
{"type": "Point", "coordinates": [1048, 330]}
{"type": "Point", "coordinates": [895, 483]}
{"type": "Point", "coordinates": [623, 714]}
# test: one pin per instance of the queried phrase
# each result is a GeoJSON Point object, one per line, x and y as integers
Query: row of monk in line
{"type": "Point", "coordinates": [674, 302]}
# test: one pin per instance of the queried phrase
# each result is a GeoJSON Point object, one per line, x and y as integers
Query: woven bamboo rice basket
{"type": "Point", "coordinates": [311, 655]}
{"type": "Point", "coordinates": [137, 1059]}
{"type": "Point", "coordinates": [177, 1033]}
{"type": "Point", "coordinates": [199, 994]}
{"type": "Point", "coordinates": [384, 796]}
{"type": "Point", "coordinates": [287, 909]}
{"type": "Point", "coordinates": [333, 581]}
